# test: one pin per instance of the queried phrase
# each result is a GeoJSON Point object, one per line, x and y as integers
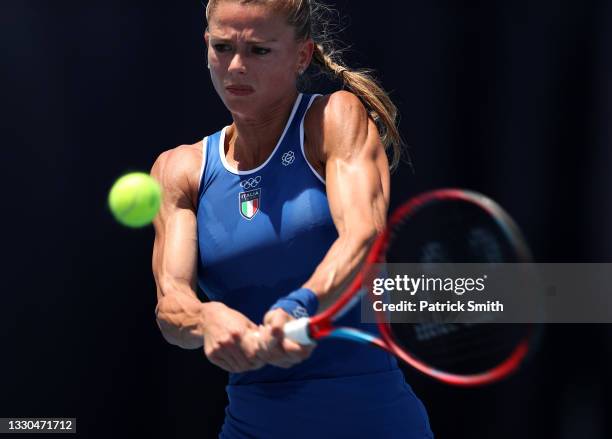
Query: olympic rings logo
{"type": "Point", "coordinates": [250, 183]}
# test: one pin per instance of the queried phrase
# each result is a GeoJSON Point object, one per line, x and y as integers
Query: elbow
{"type": "Point", "coordinates": [165, 325]}
{"type": "Point", "coordinates": [174, 330]}
{"type": "Point", "coordinates": [172, 336]}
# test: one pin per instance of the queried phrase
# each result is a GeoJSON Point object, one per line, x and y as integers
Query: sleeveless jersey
{"type": "Point", "coordinates": [261, 234]}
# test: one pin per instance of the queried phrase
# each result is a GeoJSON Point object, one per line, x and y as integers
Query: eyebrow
{"type": "Point", "coordinates": [227, 40]}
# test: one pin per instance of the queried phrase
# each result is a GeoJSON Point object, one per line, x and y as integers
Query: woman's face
{"type": "Point", "coordinates": [253, 56]}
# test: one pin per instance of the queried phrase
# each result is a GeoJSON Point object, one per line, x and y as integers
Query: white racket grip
{"type": "Point", "coordinates": [297, 330]}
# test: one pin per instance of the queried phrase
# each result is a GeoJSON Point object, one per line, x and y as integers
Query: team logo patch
{"type": "Point", "coordinates": [249, 203]}
{"type": "Point", "coordinates": [288, 158]}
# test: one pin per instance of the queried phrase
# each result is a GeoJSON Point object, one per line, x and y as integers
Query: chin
{"type": "Point", "coordinates": [252, 105]}
{"type": "Point", "coordinates": [243, 105]}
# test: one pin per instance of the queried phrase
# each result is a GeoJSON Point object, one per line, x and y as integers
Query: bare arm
{"type": "Point", "coordinates": [357, 180]}
{"type": "Point", "coordinates": [230, 339]}
{"type": "Point", "coordinates": [358, 186]}
{"type": "Point", "coordinates": [179, 312]}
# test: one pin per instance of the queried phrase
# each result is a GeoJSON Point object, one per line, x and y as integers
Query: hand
{"type": "Point", "coordinates": [275, 349]}
{"type": "Point", "coordinates": [231, 340]}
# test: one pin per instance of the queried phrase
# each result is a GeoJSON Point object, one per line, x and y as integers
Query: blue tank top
{"type": "Point", "coordinates": [261, 234]}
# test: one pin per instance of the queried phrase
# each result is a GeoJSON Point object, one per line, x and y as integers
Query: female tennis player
{"type": "Point", "coordinates": [271, 217]}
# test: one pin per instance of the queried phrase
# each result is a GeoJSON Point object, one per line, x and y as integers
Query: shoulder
{"type": "Point", "coordinates": [336, 120]}
{"type": "Point", "coordinates": [335, 107]}
{"type": "Point", "coordinates": [178, 171]}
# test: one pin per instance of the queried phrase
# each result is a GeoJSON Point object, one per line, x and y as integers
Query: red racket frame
{"type": "Point", "coordinates": [321, 325]}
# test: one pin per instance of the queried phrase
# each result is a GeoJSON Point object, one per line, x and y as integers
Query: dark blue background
{"type": "Point", "coordinates": [513, 99]}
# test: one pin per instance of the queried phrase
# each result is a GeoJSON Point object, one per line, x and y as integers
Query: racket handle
{"type": "Point", "coordinates": [297, 330]}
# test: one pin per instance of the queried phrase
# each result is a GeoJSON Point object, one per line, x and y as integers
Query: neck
{"type": "Point", "coordinates": [249, 141]}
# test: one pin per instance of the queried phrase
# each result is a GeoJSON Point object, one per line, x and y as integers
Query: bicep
{"type": "Point", "coordinates": [356, 167]}
{"type": "Point", "coordinates": [175, 245]}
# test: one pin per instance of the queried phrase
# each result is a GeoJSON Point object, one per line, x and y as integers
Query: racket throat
{"type": "Point", "coordinates": [321, 329]}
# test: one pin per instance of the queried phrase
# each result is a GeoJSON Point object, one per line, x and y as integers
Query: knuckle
{"type": "Point", "coordinates": [215, 356]}
{"type": "Point", "coordinates": [262, 357]}
{"type": "Point", "coordinates": [211, 351]}
{"type": "Point", "coordinates": [217, 362]}
{"type": "Point", "coordinates": [225, 341]}
{"type": "Point", "coordinates": [251, 357]}
{"type": "Point", "coordinates": [256, 365]}
{"type": "Point", "coordinates": [305, 353]}
{"type": "Point", "coordinates": [234, 334]}
{"type": "Point", "coordinates": [278, 354]}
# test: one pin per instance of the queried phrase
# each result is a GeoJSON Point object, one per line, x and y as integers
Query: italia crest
{"type": "Point", "coordinates": [249, 203]}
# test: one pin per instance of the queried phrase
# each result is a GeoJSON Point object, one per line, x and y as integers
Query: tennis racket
{"type": "Point", "coordinates": [441, 226]}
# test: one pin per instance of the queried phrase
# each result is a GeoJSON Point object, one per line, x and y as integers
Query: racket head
{"type": "Point", "coordinates": [454, 226]}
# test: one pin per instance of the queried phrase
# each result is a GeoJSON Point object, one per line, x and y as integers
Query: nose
{"type": "Point", "coordinates": [237, 64]}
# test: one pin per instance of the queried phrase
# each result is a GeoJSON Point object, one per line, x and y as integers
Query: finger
{"type": "Point", "coordinates": [276, 317]}
{"type": "Point", "coordinates": [237, 355]}
{"type": "Point", "coordinates": [218, 359]}
{"type": "Point", "coordinates": [247, 350]}
{"type": "Point", "coordinates": [223, 365]}
{"type": "Point", "coordinates": [231, 350]}
{"type": "Point", "coordinates": [279, 358]}
{"type": "Point", "coordinates": [228, 358]}
{"type": "Point", "coordinates": [296, 351]}
{"type": "Point", "coordinates": [252, 346]}
{"type": "Point", "coordinates": [292, 351]}
{"type": "Point", "coordinates": [286, 361]}
{"type": "Point", "coordinates": [269, 315]}
{"type": "Point", "coordinates": [226, 351]}
{"type": "Point", "coordinates": [277, 324]}
{"type": "Point", "coordinates": [261, 348]}
{"type": "Point", "coordinates": [271, 350]}
{"type": "Point", "coordinates": [284, 365]}
{"type": "Point", "coordinates": [288, 358]}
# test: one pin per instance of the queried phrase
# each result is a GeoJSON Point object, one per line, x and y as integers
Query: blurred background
{"type": "Point", "coordinates": [509, 98]}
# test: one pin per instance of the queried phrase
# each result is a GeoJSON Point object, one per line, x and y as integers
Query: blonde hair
{"type": "Point", "coordinates": [310, 18]}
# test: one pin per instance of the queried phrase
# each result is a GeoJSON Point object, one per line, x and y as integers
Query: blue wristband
{"type": "Point", "coordinates": [300, 303]}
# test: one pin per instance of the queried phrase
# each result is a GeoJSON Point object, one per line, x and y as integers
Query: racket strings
{"type": "Point", "coordinates": [455, 232]}
{"type": "Point", "coordinates": [479, 342]}
{"type": "Point", "coordinates": [460, 340]}
{"type": "Point", "coordinates": [484, 348]}
{"type": "Point", "coordinates": [475, 360]}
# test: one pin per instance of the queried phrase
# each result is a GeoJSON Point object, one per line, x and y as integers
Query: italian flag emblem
{"type": "Point", "coordinates": [249, 203]}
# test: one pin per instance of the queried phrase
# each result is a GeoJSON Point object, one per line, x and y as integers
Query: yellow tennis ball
{"type": "Point", "coordinates": [134, 199]}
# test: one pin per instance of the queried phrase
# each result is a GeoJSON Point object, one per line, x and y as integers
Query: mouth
{"type": "Point", "coordinates": [240, 90]}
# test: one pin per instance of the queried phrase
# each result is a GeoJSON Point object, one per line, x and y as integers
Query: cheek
{"type": "Point", "coordinates": [277, 72]}
{"type": "Point", "coordinates": [217, 80]}
{"type": "Point", "coordinates": [274, 77]}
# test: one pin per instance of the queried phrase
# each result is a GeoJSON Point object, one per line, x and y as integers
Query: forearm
{"type": "Point", "coordinates": [339, 266]}
{"type": "Point", "coordinates": [181, 319]}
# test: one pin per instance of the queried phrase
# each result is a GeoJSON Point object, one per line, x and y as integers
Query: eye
{"type": "Point", "coordinates": [260, 50]}
{"type": "Point", "coordinates": [221, 47]}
